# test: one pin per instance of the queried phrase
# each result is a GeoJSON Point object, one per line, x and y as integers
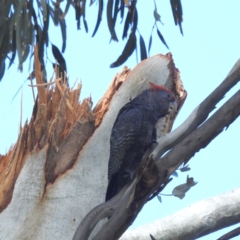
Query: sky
{"type": "Point", "coordinates": [204, 55]}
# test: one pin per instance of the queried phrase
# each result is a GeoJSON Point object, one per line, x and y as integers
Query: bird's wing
{"type": "Point", "coordinates": [124, 134]}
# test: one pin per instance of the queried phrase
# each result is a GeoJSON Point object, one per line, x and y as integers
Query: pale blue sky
{"type": "Point", "coordinates": [204, 56]}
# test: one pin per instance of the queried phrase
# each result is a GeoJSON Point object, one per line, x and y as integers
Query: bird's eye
{"type": "Point", "coordinates": [168, 95]}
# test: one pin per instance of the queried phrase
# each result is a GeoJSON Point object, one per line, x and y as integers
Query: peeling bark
{"type": "Point", "coordinates": [61, 123]}
{"type": "Point", "coordinates": [57, 170]}
{"type": "Point", "coordinates": [103, 104]}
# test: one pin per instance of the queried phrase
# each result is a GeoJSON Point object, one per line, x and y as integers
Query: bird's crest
{"type": "Point", "coordinates": [154, 86]}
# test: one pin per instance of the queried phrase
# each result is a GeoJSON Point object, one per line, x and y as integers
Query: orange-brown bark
{"type": "Point", "coordinates": [59, 121]}
{"type": "Point", "coordinates": [102, 106]}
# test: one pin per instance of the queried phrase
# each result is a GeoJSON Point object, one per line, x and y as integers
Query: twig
{"type": "Point", "coordinates": [34, 99]}
{"type": "Point", "coordinates": [37, 67]}
{"type": "Point", "coordinates": [21, 111]}
{"type": "Point", "coordinates": [100, 212]}
{"type": "Point", "coordinates": [230, 234]}
{"type": "Point", "coordinates": [45, 84]}
{"type": "Point", "coordinates": [74, 84]}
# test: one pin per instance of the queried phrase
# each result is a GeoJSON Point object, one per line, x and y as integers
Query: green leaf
{"type": "Point", "coordinates": [162, 39]}
{"type": "Point", "coordinates": [99, 18]}
{"type": "Point", "coordinates": [127, 51]}
{"type": "Point", "coordinates": [177, 13]}
{"type": "Point", "coordinates": [159, 198]}
{"type": "Point", "coordinates": [56, 16]}
{"type": "Point", "coordinates": [43, 39]}
{"type": "Point", "coordinates": [63, 27]}
{"type": "Point", "coordinates": [115, 12]}
{"type": "Point", "coordinates": [185, 169]}
{"type": "Point", "coordinates": [149, 45]}
{"type": "Point", "coordinates": [77, 13]}
{"type": "Point", "coordinates": [13, 47]}
{"type": "Point", "coordinates": [25, 53]}
{"type": "Point", "coordinates": [85, 25]}
{"type": "Point", "coordinates": [59, 57]}
{"type": "Point", "coordinates": [175, 174]}
{"type": "Point", "coordinates": [83, 13]}
{"type": "Point", "coordinates": [131, 19]}
{"type": "Point", "coordinates": [135, 19]}
{"type": "Point", "coordinates": [122, 7]}
{"type": "Point", "coordinates": [2, 69]}
{"type": "Point", "coordinates": [143, 50]}
{"type": "Point", "coordinates": [126, 25]}
{"type": "Point", "coordinates": [110, 20]}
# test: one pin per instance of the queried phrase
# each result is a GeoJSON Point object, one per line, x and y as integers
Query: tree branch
{"type": "Point", "coordinates": [195, 221]}
{"type": "Point", "coordinates": [199, 114]}
{"type": "Point", "coordinates": [230, 234]}
{"type": "Point", "coordinates": [100, 212]}
{"type": "Point", "coordinates": [201, 137]}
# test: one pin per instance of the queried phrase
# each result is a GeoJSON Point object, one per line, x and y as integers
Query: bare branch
{"type": "Point", "coordinates": [195, 221]}
{"type": "Point", "coordinates": [201, 137]}
{"type": "Point", "coordinates": [100, 212]}
{"type": "Point", "coordinates": [199, 114]}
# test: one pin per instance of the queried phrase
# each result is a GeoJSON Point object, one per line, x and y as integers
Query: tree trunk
{"type": "Point", "coordinates": [57, 171]}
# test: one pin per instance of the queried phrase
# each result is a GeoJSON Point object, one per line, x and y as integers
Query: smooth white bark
{"type": "Point", "coordinates": [194, 221]}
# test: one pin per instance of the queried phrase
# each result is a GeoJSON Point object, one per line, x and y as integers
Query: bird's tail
{"type": "Point", "coordinates": [112, 188]}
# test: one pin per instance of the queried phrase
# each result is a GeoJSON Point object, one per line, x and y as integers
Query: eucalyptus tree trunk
{"type": "Point", "coordinates": [57, 170]}
{"type": "Point", "coordinates": [54, 179]}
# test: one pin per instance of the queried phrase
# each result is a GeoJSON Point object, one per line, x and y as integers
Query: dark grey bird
{"type": "Point", "coordinates": [133, 133]}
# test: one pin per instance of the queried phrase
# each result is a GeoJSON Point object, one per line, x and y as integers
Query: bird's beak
{"type": "Point", "coordinates": [173, 107]}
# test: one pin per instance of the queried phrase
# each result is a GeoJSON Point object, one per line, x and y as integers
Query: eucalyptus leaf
{"type": "Point", "coordinates": [99, 18]}
{"type": "Point", "coordinates": [143, 50]}
{"type": "Point", "coordinates": [127, 51]}
{"type": "Point", "coordinates": [159, 198]}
